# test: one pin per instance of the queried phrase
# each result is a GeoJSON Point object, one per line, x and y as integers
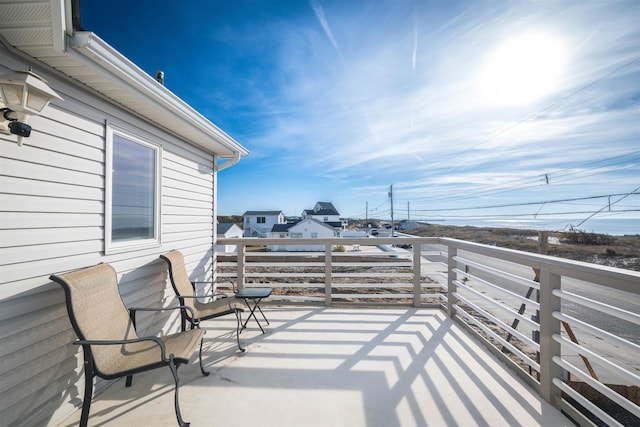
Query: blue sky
{"type": "Point", "coordinates": [469, 108]}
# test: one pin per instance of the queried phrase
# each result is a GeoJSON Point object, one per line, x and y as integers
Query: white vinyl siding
{"type": "Point", "coordinates": [52, 220]}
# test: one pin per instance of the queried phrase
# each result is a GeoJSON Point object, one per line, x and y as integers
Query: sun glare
{"type": "Point", "coordinates": [522, 70]}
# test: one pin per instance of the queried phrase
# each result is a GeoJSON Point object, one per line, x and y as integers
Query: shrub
{"type": "Point", "coordinates": [584, 238]}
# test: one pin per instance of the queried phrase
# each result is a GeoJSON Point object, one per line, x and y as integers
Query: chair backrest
{"type": "Point", "coordinates": [179, 277]}
{"type": "Point", "coordinates": [96, 309]}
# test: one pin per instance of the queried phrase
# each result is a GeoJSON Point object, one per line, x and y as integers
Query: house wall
{"type": "Point", "coordinates": [320, 214]}
{"type": "Point", "coordinates": [52, 192]}
{"type": "Point", "coordinates": [253, 229]}
{"type": "Point", "coordinates": [322, 218]}
{"type": "Point", "coordinates": [277, 235]}
{"type": "Point", "coordinates": [233, 232]}
{"type": "Point", "coordinates": [306, 229]}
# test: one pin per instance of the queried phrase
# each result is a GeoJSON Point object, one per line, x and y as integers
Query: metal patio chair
{"type": "Point", "coordinates": [185, 289]}
{"type": "Point", "coordinates": [106, 332]}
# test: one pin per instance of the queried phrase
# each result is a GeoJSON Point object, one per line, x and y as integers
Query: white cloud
{"type": "Point", "coordinates": [324, 23]}
{"type": "Point", "coordinates": [399, 103]}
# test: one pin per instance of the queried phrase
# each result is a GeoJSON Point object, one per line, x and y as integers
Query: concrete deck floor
{"type": "Point", "coordinates": [318, 366]}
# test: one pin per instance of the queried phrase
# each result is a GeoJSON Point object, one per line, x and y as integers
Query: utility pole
{"type": "Point", "coordinates": [408, 213]}
{"type": "Point", "coordinates": [392, 224]}
{"type": "Point", "coordinates": [366, 216]}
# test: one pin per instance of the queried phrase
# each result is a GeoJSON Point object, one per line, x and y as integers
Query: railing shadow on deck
{"type": "Point", "coordinates": [418, 360]}
{"type": "Point", "coordinates": [570, 329]}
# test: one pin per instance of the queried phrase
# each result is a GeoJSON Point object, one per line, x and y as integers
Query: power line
{"type": "Point", "coordinates": [546, 202]}
{"type": "Point", "coordinates": [521, 215]}
{"type": "Point", "coordinates": [552, 177]}
{"type": "Point", "coordinates": [609, 205]}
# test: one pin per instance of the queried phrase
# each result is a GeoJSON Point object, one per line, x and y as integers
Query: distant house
{"type": "Point", "coordinates": [259, 223]}
{"type": "Point", "coordinates": [120, 170]}
{"type": "Point", "coordinates": [305, 229]}
{"type": "Point", "coordinates": [324, 212]}
{"type": "Point", "coordinates": [280, 231]}
{"type": "Point", "coordinates": [227, 230]}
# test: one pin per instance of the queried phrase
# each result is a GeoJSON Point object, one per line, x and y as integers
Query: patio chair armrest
{"type": "Point", "coordinates": [227, 297]}
{"type": "Point", "coordinates": [157, 340]}
{"type": "Point", "coordinates": [221, 294]}
{"type": "Point", "coordinates": [216, 294]}
{"type": "Point", "coordinates": [133, 310]}
{"type": "Point", "coordinates": [233, 285]}
{"type": "Point", "coordinates": [176, 307]}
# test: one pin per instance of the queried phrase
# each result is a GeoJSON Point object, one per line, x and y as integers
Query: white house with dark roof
{"type": "Point", "coordinates": [259, 223]}
{"type": "Point", "coordinates": [228, 230]}
{"type": "Point", "coordinates": [65, 199]}
{"type": "Point", "coordinates": [306, 229]}
{"type": "Point", "coordinates": [324, 212]}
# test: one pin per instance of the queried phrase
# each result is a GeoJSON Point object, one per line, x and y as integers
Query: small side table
{"type": "Point", "coordinates": [256, 295]}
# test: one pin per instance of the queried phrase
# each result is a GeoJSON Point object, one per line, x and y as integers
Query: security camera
{"type": "Point", "coordinates": [20, 129]}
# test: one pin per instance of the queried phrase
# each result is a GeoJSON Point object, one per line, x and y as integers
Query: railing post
{"type": "Point", "coordinates": [240, 265]}
{"type": "Point", "coordinates": [549, 326]}
{"type": "Point", "coordinates": [327, 274]}
{"type": "Point", "coordinates": [417, 274]}
{"type": "Point", "coordinates": [451, 277]}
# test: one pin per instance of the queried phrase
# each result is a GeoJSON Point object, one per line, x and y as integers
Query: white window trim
{"type": "Point", "coordinates": [119, 247]}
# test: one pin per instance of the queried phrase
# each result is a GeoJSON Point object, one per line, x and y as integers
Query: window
{"type": "Point", "coordinates": [261, 220]}
{"type": "Point", "coordinates": [133, 189]}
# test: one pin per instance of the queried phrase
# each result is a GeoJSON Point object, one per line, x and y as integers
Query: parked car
{"type": "Point", "coordinates": [374, 231]}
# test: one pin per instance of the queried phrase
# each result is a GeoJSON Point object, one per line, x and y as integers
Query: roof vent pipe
{"type": "Point", "coordinates": [160, 77]}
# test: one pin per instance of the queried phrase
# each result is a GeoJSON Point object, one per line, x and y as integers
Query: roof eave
{"type": "Point", "coordinates": [168, 111]}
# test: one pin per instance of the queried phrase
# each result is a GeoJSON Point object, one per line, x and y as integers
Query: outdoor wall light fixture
{"type": "Point", "coordinates": [24, 94]}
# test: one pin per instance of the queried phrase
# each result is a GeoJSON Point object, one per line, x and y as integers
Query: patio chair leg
{"type": "Point", "coordinates": [174, 372]}
{"type": "Point", "coordinates": [205, 373]}
{"type": "Point", "coordinates": [88, 386]}
{"type": "Point", "coordinates": [238, 330]}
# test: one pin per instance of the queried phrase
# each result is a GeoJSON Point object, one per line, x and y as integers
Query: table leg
{"type": "Point", "coordinates": [256, 304]}
{"type": "Point", "coordinates": [263, 316]}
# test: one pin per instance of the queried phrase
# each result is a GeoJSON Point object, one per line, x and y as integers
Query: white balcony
{"type": "Point", "coordinates": [324, 366]}
{"type": "Point", "coordinates": [424, 336]}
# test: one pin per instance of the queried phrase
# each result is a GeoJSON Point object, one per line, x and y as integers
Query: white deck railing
{"type": "Point", "coordinates": [570, 329]}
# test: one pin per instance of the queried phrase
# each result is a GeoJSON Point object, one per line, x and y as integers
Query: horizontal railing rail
{"type": "Point", "coordinates": [570, 329]}
{"type": "Point", "coordinates": [354, 270]}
